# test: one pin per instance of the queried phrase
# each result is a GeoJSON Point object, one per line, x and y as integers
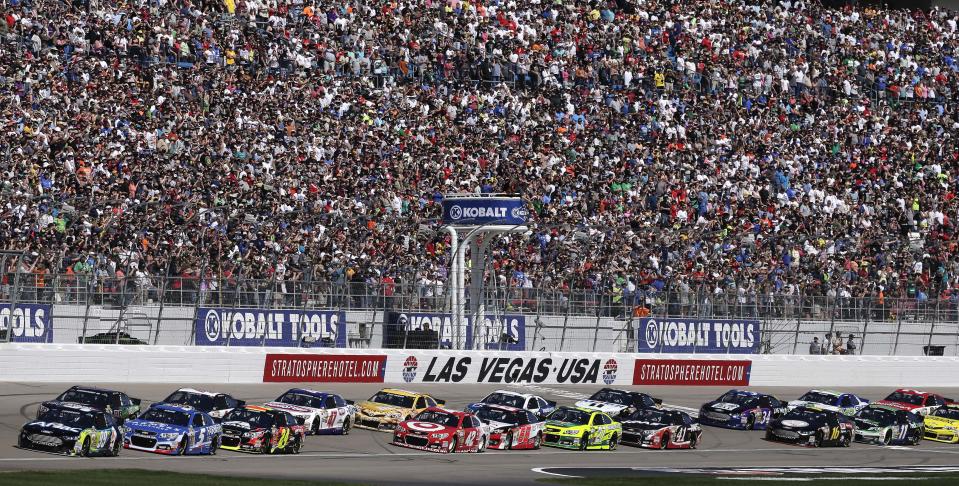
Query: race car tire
{"type": "Point", "coordinates": [751, 422]}
{"type": "Point", "coordinates": [613, 442]}
{"type": "Point", "coordinates": [117, 445]}
{"type": "Point", "coordinates": [916, 438]}
{"type": "Point", "coordinates": [509, 440]}
{"type": "Point", "coordinates": [85, 448]}
{"type": "Point", "coordinates": [886, 438]}
{"type": "Point", "coordinates": [266, 445]}
{"type": "Point", "coordinates": [347, 425]}
{"type": "Point", "coordinates": [452, 447]}
{"type": "Point", "coordinates": [482, 446]}
{"type": "Point", "coordinates": [22, 442]}
{"type": "Point", "coordinates": [315, 429]}
{"type": "Point", "coordinates": [817, 442]}
{"type": "Point", "coordinates": [769, 435]}
{"type": "Point", "coordinates": [664, 441]}
{"type": "Point", "coordinates": [693, 440]}
{"type": "Point", "coordinates": [181, 448]}
{"type": "Point", "coordinates": [845, 440]}
{"type": "Point", "coordinates": [214, 445]}
{"type": "Point", "coordinates": [537, 441]}
{"type": "Point", "coordinates": [293, 447]}
{"type": "Point", "coordinates": [584, 441]}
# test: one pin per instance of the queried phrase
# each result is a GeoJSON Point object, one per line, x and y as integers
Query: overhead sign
{"type": "Point", "coordinates": [31, 323]}
{"type": "Point", "coordinates": [716, 336]}
{"type": "Point", "coordinates": [508, 369]}
{"type": "Point", "coordinates": [696, 372]}
{"type": "Point", "coordinates": [315, 368]}
{"type": "Point", "coordinates": [503, 333]}
{"type": "Point", "coordinates": [263, 327]}
{"type": "Point", "coordinates": [474, 211]}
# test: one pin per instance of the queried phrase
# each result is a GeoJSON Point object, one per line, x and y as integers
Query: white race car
{"type": "Point", "coordinates": [215, 404]}
{"type": "Point", "coordinates": [536, 404]}
{"type": "Point", "coordinates": [321, 412]}
{"type": "Point", "coordinates": [616, 402]}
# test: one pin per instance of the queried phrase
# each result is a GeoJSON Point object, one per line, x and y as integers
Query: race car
{"type": "Point", "coordinates": [883, 425]}
{"type": "Point", "coordinates": [320, 412]}
{"type": "Point", "coordinates": [391, 406]}
{"type": "Point", "coordinates": [510, 427]}
{"type": "Point", "coordinates": [917, 402]}
{"type": "Point", "coordinates": [845, 403]}
{"type": "Point", "coordinates": [536, 404]}
{"type": "Point", "coordinates": [581, 428]}
{"type": "Point", "coordinates": [262, 429]}
{"type": "Point", "coordinates": [215, 404]}
{"type": "Point", "coordinates": [173, 430]}
{"type": "Point", "coordinates": [439, 430]}
{"type": "Point", "coordinates": [739, 409]}
{"type": "Point", "coordinates": [812, 427]}
{"type": "Point", "coordinates": [121, 406]}
{"type": "Point", "coordinates": [615, 402]}
{"type": "Point", "coordinates": [73, 429]}
{"type": "Point", "coordinates": [942, 425]}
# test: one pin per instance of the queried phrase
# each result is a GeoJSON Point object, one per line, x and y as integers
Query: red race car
{"type": "Point", "coordinates": [915, 401]}
{"type": "Point", "coordinates": [511, 428]}
{"type": "Point", "coordinates": [439, 430]}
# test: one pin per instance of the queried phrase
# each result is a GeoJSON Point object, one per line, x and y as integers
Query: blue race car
{"type": "Point", "coordinates": [833, 401]}
{"type": "Point", "coordinates": [740, 409]}
{"type": "Point", "coordinates": [173, 430]}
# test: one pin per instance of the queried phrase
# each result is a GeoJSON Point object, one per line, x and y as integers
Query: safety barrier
{"type": "Point", "coordinates": [29, 362]}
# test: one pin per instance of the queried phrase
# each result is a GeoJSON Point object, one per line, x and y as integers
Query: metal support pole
{"type": "Point", "coordinates": [596, 332]}
{"type": "Point", "coordinates": [14, 297]}
{"type": "Point", "coordinates": [455, 289]}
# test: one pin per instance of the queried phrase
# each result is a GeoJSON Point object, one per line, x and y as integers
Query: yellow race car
{"type": "Point", "coordinates": [390, 406]}
{"type": "Point", "coordinates": [942, 425]}
{"type": "Point", "coordinates": [580, 428]}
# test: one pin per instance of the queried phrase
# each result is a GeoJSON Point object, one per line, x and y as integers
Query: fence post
{"type": "Point", "coordinates": [14, 297]}
{"type": "Point", "coordinates": [798, 325]}
{"type": "Point", "coordinates": [162, 297]}
{"type": "Point", "coordinates": [865, 326]}
{"type": "Point", "coordinates": [562, 337]}
{"type": "Point", "coordinates": [895, 345]}
{"type": "Point", "coordinates": [596, 333]}
{"type": "Point", "coordinates": [932, 327]}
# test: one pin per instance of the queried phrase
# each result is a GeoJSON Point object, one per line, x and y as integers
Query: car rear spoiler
{"type": "Point", "coordinates": [136, 401]}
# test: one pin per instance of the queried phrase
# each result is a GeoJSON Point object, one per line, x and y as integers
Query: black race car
{"type": "Point", "coordinates": [812, 427]}
{"type": "Point", "coordinates": [617, 402]}
{"type": "Point", "coordinates": [74, 429]}
{"type": "Point", "coordinates": [661, 429]}
{"type": "Point", "coordinates": [117, 403]}
{"type": "Point", "coordinates": [213, 403]}
{"type": "Point", "coordinates": [740, 409]}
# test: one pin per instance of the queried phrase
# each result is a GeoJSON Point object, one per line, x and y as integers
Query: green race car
{"type": "Point", "coordinates": [578, 428]}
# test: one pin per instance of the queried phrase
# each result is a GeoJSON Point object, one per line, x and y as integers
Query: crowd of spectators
{"type": "Point", "coordinates": [726, 146]}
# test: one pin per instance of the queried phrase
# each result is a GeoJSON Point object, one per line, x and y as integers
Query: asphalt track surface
{"type": "Point", "coordinates": [367, 457]}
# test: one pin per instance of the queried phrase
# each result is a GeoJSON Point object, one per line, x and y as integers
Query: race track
{"type": "Point", "coordinates": [367, 456]}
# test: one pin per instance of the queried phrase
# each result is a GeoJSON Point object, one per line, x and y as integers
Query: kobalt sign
{"type": "Point", "coordinates": [484, 210]}
{"type": "Point", "coordinates": [259, 327]}
{"type": "Point", "coordinates": [698, 336]}
{"type": "Point", "coordinates": [30, 323]}
{"type": "Point", "coordinates": [506, 369]}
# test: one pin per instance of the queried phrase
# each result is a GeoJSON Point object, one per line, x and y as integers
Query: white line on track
{"type": "Point", "coordinates": [541, 471]}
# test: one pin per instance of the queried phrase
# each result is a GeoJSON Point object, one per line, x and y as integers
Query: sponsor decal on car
{"type": "Point", "coordinates": [696, 372]}
{"type": "Point", "coordinates": [346, 368]}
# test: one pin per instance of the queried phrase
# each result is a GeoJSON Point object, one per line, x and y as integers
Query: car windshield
{"type": "Point", "coordinates": [199, 401]}
{"type": "Point", "coordinates": [387, 398]}
{"type": "Point", "coordinates": [162, 416]}
{"type": "Point", "coordinates": [651, 415]}
{"type": "Point", "coordinates": [737, 398]}
{"type": "Point", "coordinates": [505, 399]}
{"type": "Point", "coordinates": [819, 397]}
{"type": "Point", "coordinates": [569, 415]}
{"type": "Point", "coordinates": [498, 415]}
{"type": "Point", "coordinates": [86, 397]}
{"type": "Point", "coordinates": [902, 397]}
{"type": "Point", "coordinates": [949, 413]}
{"type": "Point", "coordinates": [70, 418]}
{"type": "Point", "coordinates": [300, 399]}
{"type": "Point", "coordinates": [441, 418]}
{"type": "Point", "coordinates": [880, 416]}
{"type": "Point", "coordinates": [804, 415]}
{"type": "Point", "coordinates": [257, 419]}
{"type": "Point", "coordinates": [612, 396]}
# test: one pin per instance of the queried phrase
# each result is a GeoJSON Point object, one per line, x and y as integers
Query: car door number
{"type": "Point", "coordinates": [471, 437]}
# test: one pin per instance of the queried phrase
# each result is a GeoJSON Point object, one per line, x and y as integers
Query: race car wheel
{"type": "Point", "coordinates": [214, 445]}
{"type": "Point", "coordinates": [315, 429]}
{"type": "Point", "coordinates": [294, 447]}
{"type": "Point", "coordinates": [117, 444]}
{"type": "Point", "coordinates": [85, 448]}
{"type": "Point", "coordinates": [613, 442]}
{"type": "Point", "coordinates": [452, 447]}
{"type": "Point", "coordinates": [482, 445]}
{"type": "Point", "coordinates": [537, 441]}
{"type": "Point", "coordinates": [917, 437]}
{"type": "Point", "coordinates": [845, 440]}
{"type": "Point", "coordinates": [181, 449]}
{"type": "Point", "coordinates": [22, 442]}
{"type": "Point", "coordinates": [693, 440]}
{"type": "Point", "coordinates": [584, 441]}
{"type": "Point", "coordinates": [664, 441]}
{"type": "Point", "coordinates": [266, 444]}
{"type": "Point", "coordinates": [769, 435]}
{"type": "Point", "coordinates": [751, 422]}
{"type": "Point", "coordinates": [509, 440]}
{"type": "Point", "coordinates": [818, 440]}
{"type": "Point", "coordinates": [887, 438]}
{"type": "Point", "coordinates": [347, 425]}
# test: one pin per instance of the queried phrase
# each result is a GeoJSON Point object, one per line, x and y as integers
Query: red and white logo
{"type": "Point", "coordinates": [424, 426]}
{"type": "Point", "coordinates": [409, 369]}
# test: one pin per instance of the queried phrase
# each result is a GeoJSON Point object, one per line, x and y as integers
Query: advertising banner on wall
{"type": "Point", "coordinates": [273, 327]}
{"type": "Point", "coordinates": [406, 330]}
{"type": "Point", "coordinates": [698, 335]}
{"type": "Point", "coordinates": [474, 211]}
{"type": "Point", "coordinates": [317, 368]}
{"type": "Point", "coordinates": [30, 323]}
{"type": "Point", "coordinates": [695, 372]}
{"type": "Point", "coordinates": [507, 368]}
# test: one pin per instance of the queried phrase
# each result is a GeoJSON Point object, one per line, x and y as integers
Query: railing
{"type": "Point", "coordinates": [167, 310]}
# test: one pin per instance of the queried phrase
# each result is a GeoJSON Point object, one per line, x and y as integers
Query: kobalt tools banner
{"type": "Point", "coordinates": [716, 336]}
{"type": "Point", "coordinates": [698, 372]}
{"type": "Point", "coordinates": [509, 369]}
{"type": "Point", "coordinates": [31, 323]}
{"type": "Point", "coordinates": [310, 368]}
{"type": "Point", "coordinates": [500, 333]}
{"type": "Point", "coordinates": [471, 211]}
{"type": "Point", "coordinates": [259, 327]}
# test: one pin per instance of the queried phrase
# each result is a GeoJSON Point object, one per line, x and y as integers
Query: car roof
{"type": "Point", "coordinates": [260, 408]}
{"type": "Point", "coordinates": [826, 392]}
{"type": "Point", "coordinates": [399, 391]}
{"type": "Point", "coordinates": [882, 407]}
{"type": "Point", "coordinates": [91, 389]}
{"type": "Point", "coordinates": [744, 393]}
{"type": "Point", "coordinates": [312, 393]}
{"type": "Point", "coordinates": [199, 392]}
{"type": "Point", "coordinates": [79, 407]}
{"type": "Point", "coordinates": [500, 407]}
{"type": "Point", "coordinates": [174, 407]}
{"type": "Point", "coordinates": [458, 413]}
{"type": "Point", "coordinates": [912, 391]}
{"type": "Point", "coordinates": [512, 393]}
